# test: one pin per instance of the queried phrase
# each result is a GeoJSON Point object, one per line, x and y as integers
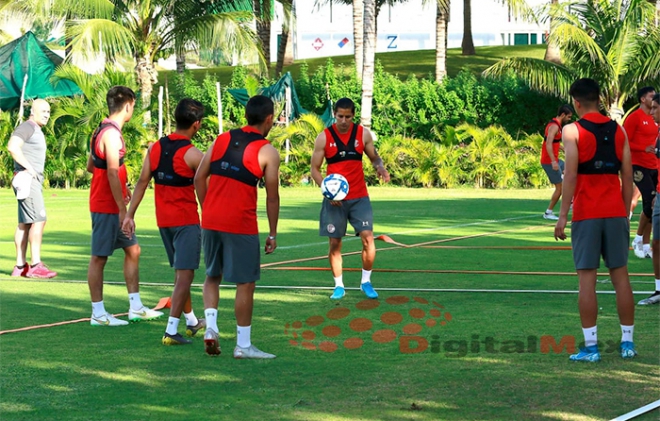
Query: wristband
{"type": "Point", "coordinates": [271, 237]}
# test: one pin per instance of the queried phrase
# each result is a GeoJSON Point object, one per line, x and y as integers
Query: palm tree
{"type": "Point", "coordinates": [358, 36]}
{"type": "Point", "coordinates": [552, 51]}
{"type": "Point", "coordinates": [441, 19]}
{"type": "Point", "coordinates": [288, 18]}
{"type": "Point", "coordinates": [612, 41]}
{"type": "Point", "coordinates": [369, 58]}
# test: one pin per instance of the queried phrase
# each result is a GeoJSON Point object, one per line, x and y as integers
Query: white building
{"type": "Point", "coordinates": [328, 30]}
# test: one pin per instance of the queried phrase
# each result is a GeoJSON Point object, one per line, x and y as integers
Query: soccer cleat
{"type": "Point", "coordinates": [143, 314]}
{"type": "Point", "coordinates": [627, 350]}
{"type": "Point", "coordinates": [212, 342]}
{"type": "Point", "coordinates": [175, 339]}
{"type": "Point", "coordinates": [106, 320]}
{"type": "Point", "coordinates": [40, 271]}
{"type": "Point", "coordinates": [251, 352]}
{"type": "Point", "coordinates": [21, 271]}
{"type": "Point", "coordinates": [588, 354]}
{"type": "Point", "coordinates": [653, 299]}
{"type": "Point", "coordinates": [192, 330]}
{"type": "Point", "coordinates": [368, 290]}
{"type": "Point", "coordinates": [338, 293]}
{"type": "Point", "coordinates": [550, 215]}
{"type": "Point", "coordinates": [638, 249]}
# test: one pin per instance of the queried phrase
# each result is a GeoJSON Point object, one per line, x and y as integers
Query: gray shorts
{"type": "Point", "coordinates": [656, 218]}
{"type": "Point", "coordinates": [333, 220]}
{"type": "Point", "coordinates": [234, 256]}
{"type": "Point", "coordinates": [607, 237]}
{"type": "Point", "coordinates": [107, 235]}
{"type": "Point", "coordinates": [32, 208]}
{"type": "Point", "coordinates": [183, 246]}
{"type": "Point", "coordinates": [555, 176]}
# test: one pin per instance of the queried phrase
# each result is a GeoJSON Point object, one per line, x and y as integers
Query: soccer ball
{"type": "Point", "coordinates": [334, 187]}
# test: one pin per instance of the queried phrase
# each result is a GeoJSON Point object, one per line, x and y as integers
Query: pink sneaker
{"type": "Point", "coordinates": [40, 271]}
{"type": "Point", "coordinates": [21, 272]}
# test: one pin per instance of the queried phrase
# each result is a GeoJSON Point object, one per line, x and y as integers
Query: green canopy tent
{"type": "Point", "coordinates": [277, 93]}
{"type": "Point", "coordinates": [27, 56]}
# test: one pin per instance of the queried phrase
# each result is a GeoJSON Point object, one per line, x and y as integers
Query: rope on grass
{"type": "Point", "coordinates": [66, 322]}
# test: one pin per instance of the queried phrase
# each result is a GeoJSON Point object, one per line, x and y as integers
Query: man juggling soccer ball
{"type": "Point", "coordinates": [342, 146]}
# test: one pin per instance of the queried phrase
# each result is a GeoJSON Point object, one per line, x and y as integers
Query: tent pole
{"type": "Point", "coordinates": [20, 110]}
{"type": "Point", "coordinates": [219, 95]}
{"type": "Point", "coordinates": [160, 112]}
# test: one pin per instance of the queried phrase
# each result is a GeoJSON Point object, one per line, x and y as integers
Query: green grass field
{"type": "Point", "coordinates": [421, 63]}
{"type": "Point", "coordinates": [421, 352]}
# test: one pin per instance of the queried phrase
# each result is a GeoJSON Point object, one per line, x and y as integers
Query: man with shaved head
{"type": "Point", "coordinates": [27, 147]}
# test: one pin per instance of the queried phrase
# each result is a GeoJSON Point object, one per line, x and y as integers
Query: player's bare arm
{"type": "Point", "coordinates": [128, 224]}
{"type": "Point", "coordinates": [626, 174]}
{"type": "Point", "coordinates": [202, 175]}
{"type": "Point", "coordinates": [269, 160]}
{"type": "Point", "coordinates": [317, 158]}
{"type": "Point", "coordinates": [15, 148]}
{"type": "Point", "coordinates": [570, 138]}
{"type": "Point", "coordinates": [193, 157]}
{"type": "Point", "coordinates": [372, 153]}
{"type": "Point", "coordinates": [111, 144]}
{"type": "Point", "coordinates": [549, 140]}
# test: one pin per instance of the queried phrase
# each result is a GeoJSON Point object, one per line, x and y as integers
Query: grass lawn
{"type": "Point", "coordinates": [420, 352]}
{"type": "Point", "coordinates": [421, 63]}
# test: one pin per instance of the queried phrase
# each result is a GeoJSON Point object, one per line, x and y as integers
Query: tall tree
{"type": "Point", "coordinates": [612, 41]}
{"type": "Point", "coordinates": [552, 51]}
{"type": "Point", "coordinates": [441, 21]}
{"type": "Point", "coordinates": [358, 36]}
{"type": "Point", "coordinates": [288, 18]}
{"type": "Point", "coordinates": [369, 59]}
{"type": "Point", "coordinates": [263, 12]}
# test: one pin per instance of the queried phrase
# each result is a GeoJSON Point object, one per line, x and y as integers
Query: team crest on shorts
{"type": "Point", "coordinates": [330, 228]}
{"type": "Point", "coordinates": [637, 176]}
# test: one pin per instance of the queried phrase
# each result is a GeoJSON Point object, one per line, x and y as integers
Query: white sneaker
{"type": "Point", "coordinates": [107, 320]}
{"type": "Point", "coordinates": [251, 352]}
{"type": "Point", "coordinates": [638, 249]}
{"type": "Point", "coordinates": [551, 216]}
{"type": "Point", "coordinates": [143, 314]}
{"type": "Point", "coordinates": [648, 254]}
{"type": "Point", "coordinates": [653, 299]}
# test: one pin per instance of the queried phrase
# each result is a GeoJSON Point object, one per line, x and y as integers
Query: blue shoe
{"type": "Point", "coordinates": [338, 293]}
{"type": "Point", "coordinates": [369, 290]}
{"type": "Point", "coordinates": [628, 350]}
{"type": "Point", "coordinates": [589, 354]}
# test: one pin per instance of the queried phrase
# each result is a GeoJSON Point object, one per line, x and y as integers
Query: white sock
{"type": "Point", "coordinates": [638, 238]}
{"type": "Point", "coordinates": [627, 333]}
{"type": "Point", "coordinates": [172, 325]}
{"type": "Point", "coordinates": [135, 301]}
{"type": "Point", "coordinates": [366, 276]}
{"type": "Point", "coordinates": [191, 320]}
{"type": "Point", "coordinates": [339, 281]}
{"type": "Point", "coordinates": [549, 211]}
{"type": "Point", "coordinates": [647, 248]}
{"type": "Point", "coordinates": [211, 315]}
{"type": "Point", "coordinates": [243, 336]}
{"type": "Point", "coordinates": [657, 285]}
{"type": "Point", "coordinates": [590, 336]}
{"type": "Point", "coordinates": [98, 309]}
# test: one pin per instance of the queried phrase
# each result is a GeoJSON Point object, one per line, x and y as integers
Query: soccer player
{"type": "Point", "coordinates": [342, 146]}
{"type": "Point", "coordinates": [597, 154]}
{"type": "Point", "coordinates": [655, 297]}
{"type": "Point", "coordinates": [226, 184]}
{"type": "Point", "coordinates": [172, 162]}
{"type": "Point", "coordinates": [552, 165]}
{"type": "Point", "coordinates": [27, 146]}
{"type": "Point", "coordinates": [107, 202]}
{"type": "Point", "coordinates": [642, 132]}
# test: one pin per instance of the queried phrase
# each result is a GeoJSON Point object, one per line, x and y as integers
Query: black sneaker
{"type": "Point", "coordinates": [175, 339]}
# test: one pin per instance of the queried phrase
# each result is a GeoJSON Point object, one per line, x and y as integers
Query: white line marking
{"type": "Point", "coordinates": [638, 412]}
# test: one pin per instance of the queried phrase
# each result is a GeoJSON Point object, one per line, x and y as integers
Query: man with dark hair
{"type": "Point", "coordinates": [553, 166]}
{"type": "Point", "coordinates": [172, 162]}
{"type": "Point", "coordinates": [107, 202]}
{"type": "Point", "coordinates": [27, 146]}
{"type": "Point", "coordinates": [342, 146]}
{"type": "Point", "coordinates": [655, 297]}
{"type": "Point", "coordinates": [226, 184]}
{"type": "Point", "coordinates": [642, 133]}
{"type": "Point", "coordinates": [598, 178]}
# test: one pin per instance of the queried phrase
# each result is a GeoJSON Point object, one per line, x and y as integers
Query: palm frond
{"type": "Point", "coordinates": [541, 75]}
{"type": "Point", "coordinates": [89, 37]}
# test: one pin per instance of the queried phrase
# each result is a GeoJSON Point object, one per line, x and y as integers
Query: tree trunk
{"type": "Point", "coordinates": [468, 44]}
{"type": "Point", "coordinates": [262, 11]}
{"type": "Point", "coordinates": [552, 52]}
{"type": "Point", "coordinates": [180, 62]}
{"type": "Point", "coordinates": [358, 36]}
{"type": "Point", "coordinates": [440, 42]}
{"type": "Point", "coordinates": [146, 77]}
{"type": "Point", "coordinates": [369, 58]}
{"type": "Point", "coordinates": [281, 50]}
